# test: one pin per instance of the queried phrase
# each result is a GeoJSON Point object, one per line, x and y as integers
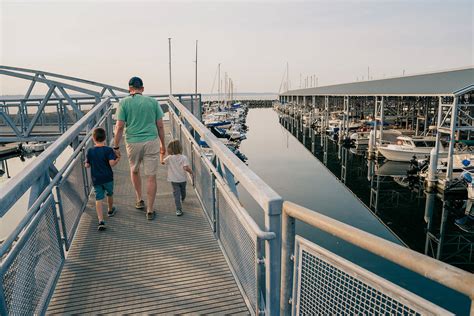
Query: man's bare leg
{"type": "Point", "coordinates": [137, 184]}
{"type": "Point", "coordinates": [150, 192]}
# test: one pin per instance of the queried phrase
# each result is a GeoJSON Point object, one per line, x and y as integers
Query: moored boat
{"type": "Point", "coordinates": [408, 147]}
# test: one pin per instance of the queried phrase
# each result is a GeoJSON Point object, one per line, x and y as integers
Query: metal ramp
{"type": "Point", "coordinates": [214, 260]}
{"type": "Point", "coordinates": [171, 265]}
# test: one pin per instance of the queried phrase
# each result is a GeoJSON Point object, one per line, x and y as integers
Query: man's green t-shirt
{"type": "Point", "coordinates": [140, 114]}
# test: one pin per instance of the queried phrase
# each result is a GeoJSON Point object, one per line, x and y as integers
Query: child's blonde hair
{"type": "Point", "coordinates": [174, 147]}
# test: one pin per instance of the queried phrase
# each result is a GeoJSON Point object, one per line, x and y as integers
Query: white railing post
{"type": "Point", "coordinates": [287, 255]}
{"type": "Point", "coordinates": [273, 258]}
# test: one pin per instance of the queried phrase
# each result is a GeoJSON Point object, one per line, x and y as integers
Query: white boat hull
{"type": "Point", "coordinates": [406, 154]}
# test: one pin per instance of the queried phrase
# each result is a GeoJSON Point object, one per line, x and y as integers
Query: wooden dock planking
{"type": "Point", "coordinates": [171, 265]}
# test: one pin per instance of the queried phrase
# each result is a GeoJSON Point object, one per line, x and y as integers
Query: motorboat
{"type": "Point", "coordinates": [235, 133]}
{"type": "Point", "coordinates": [408, 147]}
{"type": "Point", "coordinates": [219, 132]}
{"type": "Point", "coordinates": [333, 127]}
{"type": "Point", "coordinates": [218, 119]}
{"type": "Point", "coordinates": [35, 146]}
{"type": "Point", "coordinates": [360, 139]}
{"type": "Point", "coordinates": [459, 160]}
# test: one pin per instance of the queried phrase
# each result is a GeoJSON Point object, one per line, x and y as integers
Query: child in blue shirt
{"type": "Point", "coordinates": [101, 159]}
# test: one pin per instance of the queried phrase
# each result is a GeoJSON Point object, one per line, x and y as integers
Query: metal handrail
{"type": "Point", "coordinates": [19, 184]}
{"type": "Point", "coordinates": [445, 274]}
{"type": "Point", "coordinates": [241, 213]}
{"type": "Point", "coordinates": [86, 97]}
{"type": "Point", "coordinates": [90, 82]}
{"type": "Point", "coordinates": [8, 242]}
{"type": "Point", "coordinates": [265, 196]}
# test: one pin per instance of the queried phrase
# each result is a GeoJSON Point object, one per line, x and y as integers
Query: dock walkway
{"type": "Point", "coordinates": [171, 265]}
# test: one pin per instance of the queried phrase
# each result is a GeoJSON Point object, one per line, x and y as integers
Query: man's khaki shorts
{"type": "Point", "coordinates": [148, 152]}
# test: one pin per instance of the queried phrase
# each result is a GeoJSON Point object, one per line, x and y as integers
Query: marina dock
{"type": "Point", "coordinates": [171, 265]}
{"type": "Point", "coordinates": [214, 259]}
{"type": "Point", "coordinates": [436, 107]}
{"type": "Point", "coordinates": [8, 149]}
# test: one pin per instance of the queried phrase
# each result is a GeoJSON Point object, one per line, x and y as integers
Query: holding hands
{"type": "Point", "coordinates": [162, 155]}
{"type": "Point", "coordinates": [117, 152]}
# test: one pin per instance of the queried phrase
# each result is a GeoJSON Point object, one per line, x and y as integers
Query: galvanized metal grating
{"type": "Point", "coordinates": [73, 198]}
{"type": "Point", "coordinates": [203, 184]}
{"type": "Point", "coordinates": [328, 284]}
{"type": "Point", "coordinates": [29, 278]}
{"type": "Point", "coordinates": [240, 248]}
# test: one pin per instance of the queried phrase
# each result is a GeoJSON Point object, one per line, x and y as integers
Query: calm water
{"type": "Point", "coordinates": [298, 176]}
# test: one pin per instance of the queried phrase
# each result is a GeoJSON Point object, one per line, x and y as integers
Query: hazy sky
{"type": "Point", "coordinates": [110, 41]}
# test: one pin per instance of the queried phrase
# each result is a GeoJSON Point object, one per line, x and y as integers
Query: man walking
{"type": "Point", "coordinates": [141, 117]}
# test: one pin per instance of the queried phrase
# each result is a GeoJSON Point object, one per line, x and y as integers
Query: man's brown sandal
{"type": "Point", "coordinates": [150, 215]}
{"type": "Point", "coordinates": [140, 204]}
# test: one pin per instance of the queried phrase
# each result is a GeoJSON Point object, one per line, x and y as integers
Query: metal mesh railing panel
{"type": "Point", "coordinates": [186, 143]}
{"type": "Point", "coordinates": [73, 198]}
{"type": "Point", "coordinates": [197, 109]}
{"type": "Point", "coordinates": [325, 286]}
{"type": "Point", "coordinates": [187, 104]}
{"type": "Point", "coordinates": [173, 124]}
{"type": "Point", "coordinates": [27, 282]}
{"type": "Point", "coordinates": [88, 145]}
{"type": "Point", "coordinates": [239, 246]}
{"type": "Point", "coordinates": [203, 184]}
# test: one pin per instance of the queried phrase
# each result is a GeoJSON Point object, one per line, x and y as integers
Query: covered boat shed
{"type": "Point", "coordinates": [443, 100]}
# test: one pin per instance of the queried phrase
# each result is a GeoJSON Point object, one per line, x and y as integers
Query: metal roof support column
{"type": "Point", "coordinates": [382, 118]}
{"type": "Point", "coordinates": [324, 119]}
{"type": "Point", "coordinates": [427, 108]}
{"type": "Point", "coordinates": [452, 138]}
{"type": "Point", "coordinates": [326, 112]}
{"type": "Point", "coordinates": [345, 118]}
{"type": "Point", "coordinates": [432, 171]}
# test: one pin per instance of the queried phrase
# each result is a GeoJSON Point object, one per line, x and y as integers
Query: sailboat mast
{"type": "Point", "coordinates": [169, 57]}
{"type": "Point", "coordinates": [196, 71]}
{"type": "Point", "coordinates": [219, 83]}
{"type": "Point", "coordinates": [225, 88]}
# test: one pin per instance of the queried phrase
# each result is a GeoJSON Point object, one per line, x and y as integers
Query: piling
{"type": "Point", "coordinates": [432, 170]}
{"type": "Point", "coordinates": [372, 147]}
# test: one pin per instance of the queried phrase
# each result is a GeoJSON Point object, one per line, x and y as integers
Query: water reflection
{"type": "Point", "coordinates": [423, 220]}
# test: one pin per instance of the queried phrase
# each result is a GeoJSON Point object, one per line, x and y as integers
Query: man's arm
{"type": "Point", "coordinates": [161, 133]}
{"type": "Point", "coordinates": [119, 126]}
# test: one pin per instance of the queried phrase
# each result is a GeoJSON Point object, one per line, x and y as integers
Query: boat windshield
{"type": "Point", "coordinates": [422, 143]}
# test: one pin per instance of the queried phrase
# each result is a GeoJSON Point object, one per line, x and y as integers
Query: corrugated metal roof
{"type": "Point", "coordinates": [439, 83]}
